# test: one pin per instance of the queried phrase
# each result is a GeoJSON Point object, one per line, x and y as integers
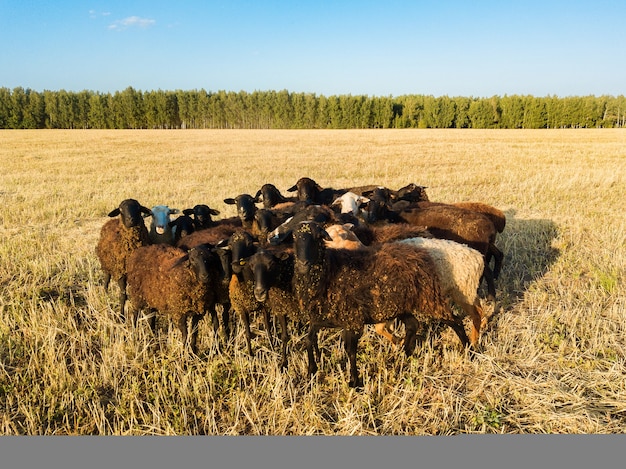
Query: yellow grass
{"type": "Point", "coordinates": [552, 356]}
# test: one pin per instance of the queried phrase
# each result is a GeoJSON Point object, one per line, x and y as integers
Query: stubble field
{"type": "Point", "coordinates": [552, 357]}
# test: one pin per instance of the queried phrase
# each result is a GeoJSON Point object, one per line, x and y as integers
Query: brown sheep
{"type": "Point", "coordinates": [348, 289]}
{"type": "Point", "coordinates": [169, 280]}
{"type": "Point", "coordinates": [119, 237]}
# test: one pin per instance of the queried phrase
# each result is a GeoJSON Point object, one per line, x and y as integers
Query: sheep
{"type": "Point", "coordinates": [349, 203]}
{"type": "Point", "coordinates": [273, 273]}
{"type": "Point", "coordinates": [180, 283]}
{"type": "Point", "coordinates": [202, 216]}
{"type": "Point", "coordinates": [241, 246]}
{"type": "Point", "coordinates": [349, 236]}
{"type": "Point", "coordinates": [181, 227]}
{"type": "Point", "coordinates": [245, 208]}
{"type": "Point", "coordinates": [265, 221]}
{"type": "Point", "coordinates": [459, 268]}
{"type": "Point", "coordinates": [208, 230]}
{"type": "Point", "coordinates": [413, 195]}
{"type": "Point", "coordinates": [118, 238]}
{"type": "Point", "coordinates": [310, 191]}
{"type": "Point", "coordinates": [270, 197]}
{"type": "Point", "coordinates": [160, 231]}
{"type": "Point", "coordinates": [348, 289]}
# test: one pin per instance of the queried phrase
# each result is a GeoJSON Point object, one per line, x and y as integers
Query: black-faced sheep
{"type": "Point", "coordinates": [179, 283]}
{"type": "Point", "coordinates": [202, 216]}
{"type": "Point", "coordinates": [273, 274]}
{"type": "Point", "coordinates": [181, 227]}
{"type": "Point", "coordinates": [311, 192]}
{"type": "Point", "coordinates": [271, 198]}
{"type": "Point", "coordinates": [348, 289]}
{"type": "Point", "coordinates": [241, 246]}
{"type": "Point", "coordinates": [119, 237]}
{"type": "Point", "coordinates": [245, 208]}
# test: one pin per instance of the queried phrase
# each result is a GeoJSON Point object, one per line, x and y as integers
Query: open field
{"type": "Point", "coordinates": [553, 354]}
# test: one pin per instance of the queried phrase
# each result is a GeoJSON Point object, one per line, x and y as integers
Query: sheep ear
{"type": "Point", "coordinates": [363, 200]}
{"type": "Point", "coordinates": [146, 211]}
{"type": "Point", "coordinates": [173, 211]}
{"type": "Point", "coordinates": [256, 197]}
{"type": "Point", "coordinates": [367, 193]}
{"type": "Point", "coordinates": [293, 188]}
{"type": "Point", "coordinates": [114, 213]}
{"type": "Point", "coordinates": [188, 211]}
{"type": "Point", "coordinates": [230, 201]}
{"type": "Point", "coordinates": [348, 226]}
{"type": "Point", "coordinates": [213, 211]}
{"type": "Point", "coordinates": [180, 261]}
{"type": "Point", "coordinates": [336, 202]}
{"type": "Point", "coordinates": [325, 235]}
{"type": "Point", "coordinates": [223, 244]}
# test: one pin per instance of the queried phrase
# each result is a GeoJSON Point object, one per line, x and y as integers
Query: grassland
{"type": "Point", "coordinates": [553, 354]}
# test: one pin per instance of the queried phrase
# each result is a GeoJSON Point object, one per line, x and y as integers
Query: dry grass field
{"type": "Point", "coordinates": [552, 357]}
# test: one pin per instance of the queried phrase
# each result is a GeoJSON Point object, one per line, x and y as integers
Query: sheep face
{"type": "Point", "coordinates": [131, 212]}
{"type": "Point", "coordinates": [263, 265]}
{"type": "Point", "coordinates": [269, 195]}
{"type": "Point", "coordinates": [245, 206]}
{"type": "Point", "coordinates": [181, 227]}
{"type": "Point", "coordinates": [161, 219]}
{"type": "Point", "coordinates": [411, 192]}
{"type": "Point", "coordinates": [202, 215]}
{"type": "Point", "coordinates": [309, 246]}
{"type": "Point", "coordinates": [307, 189]}
{"type": "Point", "coordinates": [242, 245]}
{"type": "Point", "coordinates": [350, 203]}
{"type": "Point", "coordinates": [200, 258]}
{"type": "Point", "coordinates": [343, 237]}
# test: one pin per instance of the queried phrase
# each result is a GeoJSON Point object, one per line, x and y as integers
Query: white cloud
{"type": "Point", "coordinates": [132, 21]}
{"type": "Point", "coordinates": [95, 14]}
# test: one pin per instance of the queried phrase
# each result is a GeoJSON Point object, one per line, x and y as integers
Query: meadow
{"type": "Point", "coordinates": [552, 357]}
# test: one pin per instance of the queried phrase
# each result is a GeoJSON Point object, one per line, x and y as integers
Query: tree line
{"type": "Point", "coordinates": [22, 108]}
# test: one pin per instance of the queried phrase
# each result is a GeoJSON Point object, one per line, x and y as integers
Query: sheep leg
{"type": "Point", "coordinates": [195, 319]}
{"type": "Point", "coordinates": [459, 329]}
{"type": "Point", "coordinates": [123, 297]}
{"type": "Point", "coordinates": [245, 318]}
{"type": "Point", "coordinates": [350, 342]}
{"type": "Point", "coordinates": [267, 321]}
{"type": "Point", "coordinates": [491, 287]}
{"type": "Point", "coordinates": [226, 320]}
{"type": "Point", "coordinates": [107, 280]}
{"type": "Point", "coordinates": [214, 320]}
{"type": "Point", "coordinates": [284, 337]}
{"type": "Point", "coordinates": [152, 320]}
{"type": "Point", "coordinates": [498, 256]}
{"type": "Point", "coordinates": [411, 326]}
{"type": "Point", "coordinates": [311, 348]}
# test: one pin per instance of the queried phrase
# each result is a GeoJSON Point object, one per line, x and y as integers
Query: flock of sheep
{"type": "Point", "coordinates": [338, 258]}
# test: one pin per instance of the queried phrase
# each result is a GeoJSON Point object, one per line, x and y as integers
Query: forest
{"type": "Point", "coordinates": [24, 108]}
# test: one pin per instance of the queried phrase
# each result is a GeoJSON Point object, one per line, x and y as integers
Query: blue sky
{"type": "Point", "coordinates": [376, 48]}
